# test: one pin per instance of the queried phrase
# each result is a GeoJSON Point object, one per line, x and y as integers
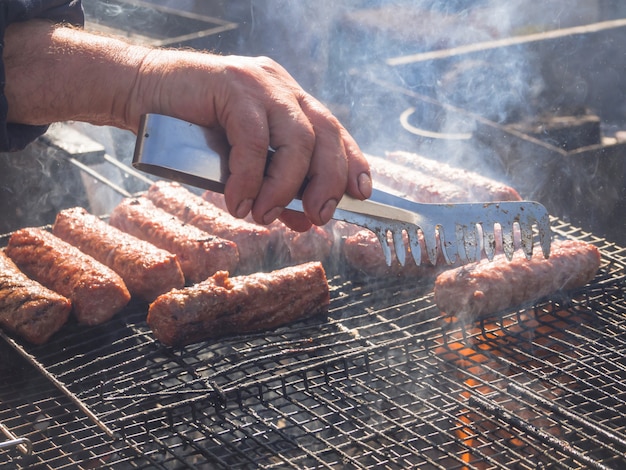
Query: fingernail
{"type": "Point", "coordinates": [271, 215]}
{"type": "Point", "coordinates": [244, 208]}
{"type": "Point", "coordinates": [328, 209]}
{"type": "Point", "coordinates": [365, 185]}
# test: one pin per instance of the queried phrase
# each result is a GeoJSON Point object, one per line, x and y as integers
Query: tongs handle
{"type": "Point", "coordinates": [181, 151]}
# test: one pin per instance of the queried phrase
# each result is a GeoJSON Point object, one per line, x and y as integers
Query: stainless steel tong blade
{"type": "Point", "coordinates": [463, 232]}
{"type": "Point", "coordinates": [194, 155]}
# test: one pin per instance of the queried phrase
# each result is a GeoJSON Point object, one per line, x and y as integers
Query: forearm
{"type": "Point", "coordinates": [57, 73]}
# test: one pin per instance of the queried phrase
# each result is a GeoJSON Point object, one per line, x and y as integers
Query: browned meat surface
{"type": "Point", "coordinates": [27, 308]}
{"type": "Point", "coordinates": [478, 187]}
{"type": "Point", "coordinates": [485, 287]}
{"type": "Point", "coordinates": [289, 247]}
{"type": "Point", "coordinates": [252, 240]}
{"type": "Point", "coordinates": [217, 200]}
{"type": "Point", "coordinates": [221, 305]}
{"type": "Point", "coordinates": [416, 186]}
{"type": "Point", "coordinates": [286, 246]}
{"type": "Point", "coordinates": [148, 271]}
{"type": "Point", "coordinates": [96, 291]}
{"type": "Point", "coordinates": [363, 252]}
{"type": "Point", "coordinates": [200, 254]}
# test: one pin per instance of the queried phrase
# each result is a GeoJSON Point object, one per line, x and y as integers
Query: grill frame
{"type": "Point", "coordinates": [384, 380]}
{"type": "Point", "coordinates": [73, 420]}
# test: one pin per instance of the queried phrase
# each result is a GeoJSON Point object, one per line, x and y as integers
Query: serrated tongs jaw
{"type": "Point", "coordinates": [449, 233]}
{"type": "Point", "coordinates": [194, 155]}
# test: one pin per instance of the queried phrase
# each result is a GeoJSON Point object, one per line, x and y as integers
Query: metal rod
{"type": "Point", "coordinates": [23, 444]}
{"type": "Point", "coordinates": [506, 42]}
{"type": "Point", "coordinates": [552, 406]}
{"type": "Point", "coordinates": [94, 174]}
{"type": "Point", "coordinates": [529, 428]}
{"type": "Point", "coordinates": [61, 387]}
{"type": "Point", "coordinates": [128, 169]}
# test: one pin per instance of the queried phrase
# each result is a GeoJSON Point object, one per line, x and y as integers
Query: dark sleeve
{"type": "Point", "coordinates": [16, 136]}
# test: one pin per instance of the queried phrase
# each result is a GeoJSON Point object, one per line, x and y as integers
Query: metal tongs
{"type": "Point", "coordinates": [190, 154]}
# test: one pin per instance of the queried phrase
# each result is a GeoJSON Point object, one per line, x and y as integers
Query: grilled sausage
{"type": "Point", "coordinates": [418, 187]}
{"type": "Point", "coordinates": [286, 246]}
{"type": "Point", "coordinates": [487, 287]}
{"type": "Point", "coordinates": [148, 271]}
{"type": "Point", "coordinates": [479, 187]}
{"type": "Point", "coordinates": [252, 240]}
{"type": "Point", "coordinates": [289, 247]}
{"type": "Point", "coordinates": [363, 252]}
{"type": "Point", "coordinates": [200, 254]}
{"type": "Point", "coordinates": [96, 291]}
{"type": "Point", "coordinates": [222, 305]}
{"type": "Point", "coordinates": [27, 308]}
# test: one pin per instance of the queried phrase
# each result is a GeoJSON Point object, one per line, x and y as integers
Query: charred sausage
{"type": "Point", "coordinates": [487, 287]}
{"type": "Point", "coordinates": [200, 254]}
{"type": "Point", "coordinates": [148, 271]}
{"type": "Point", "coordinates": [27, 308]}
{"type": "Point", "coordinates": [222, 305]}
{"type": "Point", "coordinates": [96, 291]}
{"type": "Point", "coordinates": [289, 247]}
{"type": "Point", "coordinates": [418, 187]}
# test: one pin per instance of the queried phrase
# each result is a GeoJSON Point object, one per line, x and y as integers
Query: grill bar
{"type": "Point", "coordinates": [139, 176]}
{"type": "Point", "coordinates": [96, 175]}
{"type": "Point", "coordinates": [571, 416]}
{"type": "Point", "coordinates": [61, 386]}
{"type": "Point", "coordinates": [23, 444]}
{"type": "Point", "coordinates": [528, 428]}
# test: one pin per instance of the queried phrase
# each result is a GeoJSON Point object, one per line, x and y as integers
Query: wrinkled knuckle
{"type": "Point", "coordinates": [267, 64]}
{"type": "Point", "coordinates": [258, 144]}
{"type": "Point", "coordinates": [266, 61]}
{"type": "Point", "coordinates": [230, 67]}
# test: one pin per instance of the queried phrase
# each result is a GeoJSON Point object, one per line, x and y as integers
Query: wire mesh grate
{"type": "Point", "coordinates": [384, 381]}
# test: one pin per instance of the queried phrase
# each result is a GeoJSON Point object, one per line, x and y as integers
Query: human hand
{"type": "Point", "coordinates": [259, 105]}
{"type": "Point", "coordinates": [57, 73]}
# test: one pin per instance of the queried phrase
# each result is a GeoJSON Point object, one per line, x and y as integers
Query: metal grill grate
{"type": "Point", "coordinates": [385, 380]}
